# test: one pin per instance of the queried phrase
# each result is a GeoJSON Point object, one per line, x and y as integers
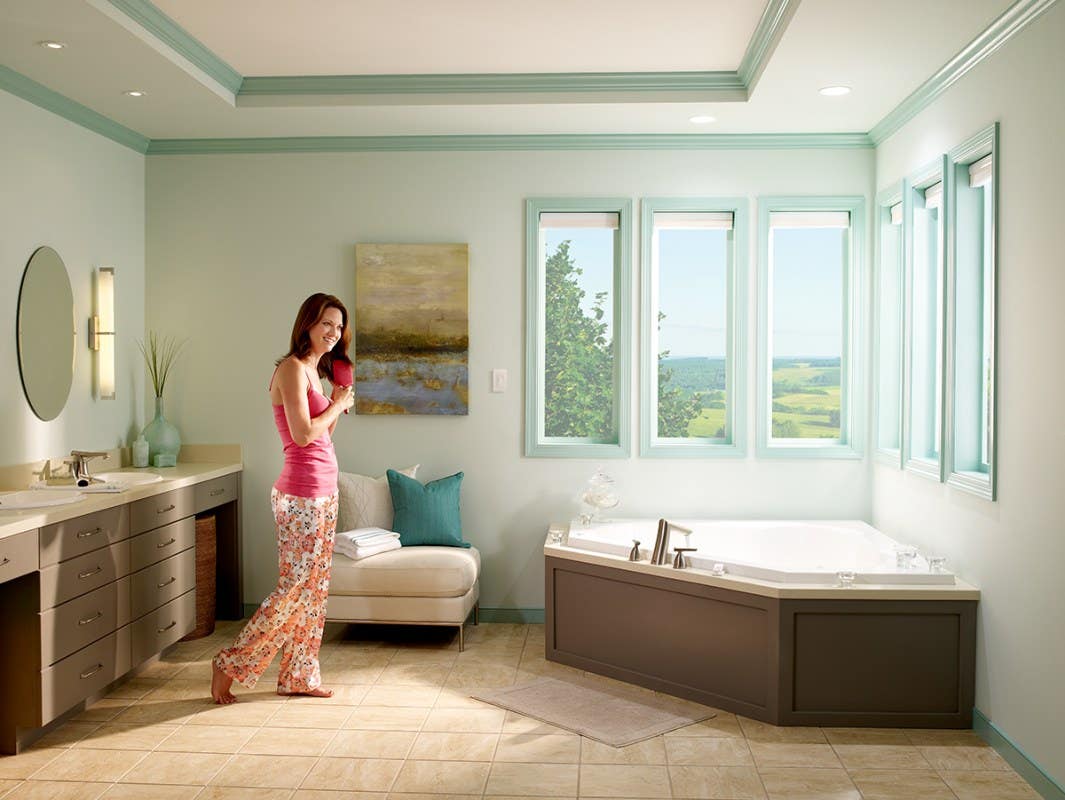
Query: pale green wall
{"type": "Point", "coordinates": [236, 242]}
{"type": "Point", "coordinates": [1013, 550]}
{"type": "Point", "coordinates": [83, 195]}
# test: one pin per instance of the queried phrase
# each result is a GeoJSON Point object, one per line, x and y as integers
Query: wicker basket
{"type": "Point", "coordinates": [206, 552]}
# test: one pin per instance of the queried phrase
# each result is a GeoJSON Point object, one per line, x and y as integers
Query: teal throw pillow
{"type": "Point", "coordinates": [426, 514]}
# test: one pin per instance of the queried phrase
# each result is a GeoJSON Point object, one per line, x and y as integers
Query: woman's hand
{"type": "Point", "coordinates": [343, 396]}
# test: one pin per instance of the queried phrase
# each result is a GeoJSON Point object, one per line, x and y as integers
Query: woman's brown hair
{"type": "Point", "coordinates": [308, 316]}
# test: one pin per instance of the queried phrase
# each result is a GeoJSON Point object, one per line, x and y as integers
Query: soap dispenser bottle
{"type": "Point", "coordinates": [140, 452]}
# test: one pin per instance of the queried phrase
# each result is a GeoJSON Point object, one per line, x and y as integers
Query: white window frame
{"type": "Point", "coordinates": [927, 177]}
{"type": "Point", "coordinates": [734, 443]}
{"type": "Point", "coordinates": [852, 395]}
{"type": "Point", "coordinates": [889, 211]}
{"type": "Point", "coordinates": [537, 444]}
{"type": "Point", "coordinates": [982, 145]}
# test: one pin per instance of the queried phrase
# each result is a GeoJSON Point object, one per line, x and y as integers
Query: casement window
{"type": "Point", "coordinates": [925, 309]}
{"type": "Point", "coordinates": [972, 265]}
{"type": "Point", "coordinates": [577, 327]}
{"type": "Point", "coordinates": [693, 326]}
{"type": "Point", "coordinates": [810, 256]}
{"type": "Point", "coordinates": [889, 330]}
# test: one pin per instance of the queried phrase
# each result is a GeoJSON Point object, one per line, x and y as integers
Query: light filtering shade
{"type": "Point", "coordinates": [693, 220]}
{"type": "Point", "coordinates": [933, 195]}
{"type": "Point", "coordinates": [579, 219]}
{"type": "Point", "coordinates": [102, 333]}
{"type": "Point", "coordinates": [980, 172]}
{"type": "Point", "coordinates": [896, 214]}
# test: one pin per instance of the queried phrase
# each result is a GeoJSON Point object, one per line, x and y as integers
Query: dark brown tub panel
{"type": "Point", "coordinates": [790, 662]}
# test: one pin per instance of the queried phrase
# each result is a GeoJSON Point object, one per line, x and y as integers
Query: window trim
{"type": "Point", "coordinates": [981, 144]}
{"type": "Point", "coordinates": [538, 445]}
{"type": "Point", "coordinates": [851, 367]}
{"type": "Point", "coordinates": [886, 199]}
{"type": "Point", "coordinates": [931, 173]}
{"type": "Point", "coordinates": [736, 335]}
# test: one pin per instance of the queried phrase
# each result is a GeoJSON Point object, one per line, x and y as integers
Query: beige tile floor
{"type": "Point", "coordinates": [402, 727]}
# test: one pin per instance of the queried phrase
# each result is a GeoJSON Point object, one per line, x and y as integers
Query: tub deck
{"type": "Point", "coordinates": [788, 654]}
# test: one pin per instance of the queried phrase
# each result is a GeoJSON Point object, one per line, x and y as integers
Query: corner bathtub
{"type": "Point", "coordinates": [770, 635]}
{"type": "Point", "coordinates": [775, 551]}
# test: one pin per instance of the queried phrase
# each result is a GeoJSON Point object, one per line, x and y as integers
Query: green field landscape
{"type": "Point", "coordinates": [806, 395]}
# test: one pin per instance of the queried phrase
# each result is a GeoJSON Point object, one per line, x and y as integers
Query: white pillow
{"type": "Point", "coordinates": [366, 502]}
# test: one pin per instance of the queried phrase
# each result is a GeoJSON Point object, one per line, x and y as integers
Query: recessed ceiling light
{"type": "Point", "coordinates": [134, 93]}
{"type": "Point", "coordinates": [702, 119]}
{"type": "Point", "coordinates": [52, 45]}
{"type": "Point", "coordinates": [835, 91]}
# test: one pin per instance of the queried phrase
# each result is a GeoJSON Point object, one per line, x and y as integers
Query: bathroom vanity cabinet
{"type": "Point", "coordinates": [89, 597]}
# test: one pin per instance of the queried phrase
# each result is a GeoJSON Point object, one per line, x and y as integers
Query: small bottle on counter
{"type": "Point", "coordinates": [140, 452]}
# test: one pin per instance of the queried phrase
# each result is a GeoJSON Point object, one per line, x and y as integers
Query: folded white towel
{"type": "Point", "coordinates": [361, 537]}
{"type": "Point", "coordinates": [357, 553]}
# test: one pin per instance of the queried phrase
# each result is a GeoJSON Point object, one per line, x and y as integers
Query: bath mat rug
{"type": "Point", "coordinates": [608, 713]}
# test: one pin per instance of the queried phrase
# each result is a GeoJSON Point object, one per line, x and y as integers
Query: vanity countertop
{"type": "Point", "coordinates": [186, 473]}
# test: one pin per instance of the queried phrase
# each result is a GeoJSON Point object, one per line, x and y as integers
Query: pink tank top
{"type": "Point", "coordinates": [309, 471]}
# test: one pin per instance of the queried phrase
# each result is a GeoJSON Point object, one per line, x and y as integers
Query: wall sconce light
{"type": "Point", "coordinates": [102, 333]}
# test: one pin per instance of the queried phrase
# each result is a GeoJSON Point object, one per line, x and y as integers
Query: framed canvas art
{"type": "Point", "coordinates": [411, 328]}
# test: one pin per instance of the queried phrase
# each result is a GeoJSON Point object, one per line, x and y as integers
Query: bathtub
{"type": "Point", "coordinates": [786, 552]}
{"type": "Point", "coordinates": [770, 633]}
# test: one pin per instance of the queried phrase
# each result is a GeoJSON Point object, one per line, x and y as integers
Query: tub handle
{"type": "Point", "coordinates": [678, 558]}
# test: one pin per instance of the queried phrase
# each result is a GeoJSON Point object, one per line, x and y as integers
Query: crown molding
{"type": "Point", "coordinates": [552, 87]}
{"type": "Point", "coordinates": [366, 144]}
{"type": "Point", "coordinates": [173, 42]}
{"type": "Point", "coordinates": [28, 89]}
{"type": "Point", "coordinates": [1015, 19]}
{"type": "Point", "coordinates": [767, 34]}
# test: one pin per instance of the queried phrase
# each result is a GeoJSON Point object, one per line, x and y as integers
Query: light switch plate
{"type": "Point", "coordinates": [499, 380]}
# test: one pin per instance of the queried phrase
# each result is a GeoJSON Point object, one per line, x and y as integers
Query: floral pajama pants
{"type": "Point", "coordinates": [292, 618]}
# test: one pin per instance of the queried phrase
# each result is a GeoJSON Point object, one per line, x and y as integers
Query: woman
{"type": "Point", "coordinates": [304, 501]}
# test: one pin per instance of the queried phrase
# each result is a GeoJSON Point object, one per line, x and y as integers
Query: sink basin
{"type": "Point", "coordinates": [37, 498]}
{"type": "Point", "coordinates": [129, 478]}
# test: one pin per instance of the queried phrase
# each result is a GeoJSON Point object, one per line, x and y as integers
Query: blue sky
{"type": "Point", "coordinates": [807, 297]}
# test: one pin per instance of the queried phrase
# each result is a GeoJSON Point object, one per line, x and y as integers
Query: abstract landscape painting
{"type": "Point", "coordinates": [411, 329]}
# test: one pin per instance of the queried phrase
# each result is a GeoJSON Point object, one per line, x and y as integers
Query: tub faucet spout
{"type": "Point", "coordinates": [660, 554]}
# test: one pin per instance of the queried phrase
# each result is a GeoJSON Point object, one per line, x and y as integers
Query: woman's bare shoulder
{"type": "Point", "coordinates": [290, 371]}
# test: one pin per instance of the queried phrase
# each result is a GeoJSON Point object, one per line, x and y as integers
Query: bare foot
{"type": "Point", "coordinates": [220, 684]}
{"type": "Point", "coordinates": [319, 692]}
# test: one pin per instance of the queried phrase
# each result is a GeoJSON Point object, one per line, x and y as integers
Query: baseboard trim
{"type": "Point", "coordinates": [1017, 758]}
{"type": "Point", "coordinates": [526, 616]}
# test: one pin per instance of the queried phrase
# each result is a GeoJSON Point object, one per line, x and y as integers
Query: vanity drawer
{"type": "Point", "coordinates": [73, 537]}
{"type": "Point", "coordinates": [78, 576]}
{"type": "Point", "coordinates": [153, 546]}
{"type": "Point", "coordinates": [162, 582]}
{"type": "Point", "coordinates": [82, 621]}
{"type": "Point", "coordinates": [153, 512]}
{"type": "Point", "coordinates": [84, 673]}
{"type": "Point", "coordinates": [18, 555]}
{"type": "Point", "coordinates": [163, 627]}
{"type": "Point", "coordinates": [216, 492]}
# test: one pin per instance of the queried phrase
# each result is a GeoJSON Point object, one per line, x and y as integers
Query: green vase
{"type": "Point", "coordinates": [163, 439]}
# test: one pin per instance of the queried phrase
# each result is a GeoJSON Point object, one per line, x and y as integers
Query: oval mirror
{"type": "Point", "coordinates": [46, 333]}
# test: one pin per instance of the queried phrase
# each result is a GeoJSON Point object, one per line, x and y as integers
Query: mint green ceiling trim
{"type": "Point", "coordinates": [728, 83]}
{"type": "Point", "coordinates": [163, 28]}
{"type": "Point", "coordinates": [21, 86]}
{"type": "Point", "coordinates": [346, 144]}
{"type": "Point", "coordinates": [770, 28]}
{"type": "Point", "coordinates": [1015, 19]}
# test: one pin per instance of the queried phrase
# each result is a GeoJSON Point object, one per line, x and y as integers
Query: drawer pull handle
{"type": "Point", "coordinates": [170, 507]}
{"type": "Point", "coordinates": [168, 627]}
{"type": "Point", "coordinates": [217, 492]}
{"type": "Point", "coordinates": [93, 618]}
{"type": "Point", "coordinates": [86, 534]}
{"type": "Point", "coordinates": [161, 545]}
{"type": "Point", "coordinates": [5, 562]}
{"type": "Point", "coordinates": [92, 671]}
{"type": "Point", "coordinates": [90, 573]}
{"type": "Point", "coordinates": [165, 583]}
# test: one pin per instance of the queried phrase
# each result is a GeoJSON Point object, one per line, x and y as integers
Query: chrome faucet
{"type": "Point", "coordinates": [79, 465]}
{"type": "Point", "coordinates": [660, 554]}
